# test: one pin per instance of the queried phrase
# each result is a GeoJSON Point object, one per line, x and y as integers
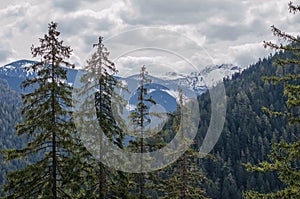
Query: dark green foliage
{"type": "Point", "coordinates": [10, 102]}
{"type": "Point", "coordinates": [184, 178]}
{"type": "Point", "coordinates": [248, 132]}
{"type": "Point", "coordinates": [47, 124]}
{"type": "Point", "coordinates": [284, 158]}
{"type": "Point", "coordinates": [99, 81]}
{"type": "Point", "coordinates": [140, 119]}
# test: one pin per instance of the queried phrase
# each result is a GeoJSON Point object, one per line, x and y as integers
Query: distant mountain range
{"type": "Point", "coordinates": [15, 73]}
{"type": "Point", "coordinates": [162, 89]}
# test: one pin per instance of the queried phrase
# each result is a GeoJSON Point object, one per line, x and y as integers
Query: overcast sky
{"type": "Point", "coordinates": [142, 31]}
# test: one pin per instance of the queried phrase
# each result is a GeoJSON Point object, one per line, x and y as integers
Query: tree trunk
{"type": "Point", "coordinates": [101, 169]}
{"type": "Point", "coordinates": [54, 159]}
{"type": "Point", "coordinates": [183, 175]}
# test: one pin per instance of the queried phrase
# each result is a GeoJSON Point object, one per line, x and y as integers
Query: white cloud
{"type": "Point", "coordinates": [228, 31]}
{"type": "Point", "coordinates": [247, 53]}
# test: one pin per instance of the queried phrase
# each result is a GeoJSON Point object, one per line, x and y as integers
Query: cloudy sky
{"type": "Point", "coordinates": [170, 33]}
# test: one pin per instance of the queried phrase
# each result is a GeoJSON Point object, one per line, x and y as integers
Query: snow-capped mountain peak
{"type": "Point", "coordinates": [17, 69]}
{"type": "Point", "coordinates": [16, 72]}
{"type": "Point", "coordinates": [198, 81]}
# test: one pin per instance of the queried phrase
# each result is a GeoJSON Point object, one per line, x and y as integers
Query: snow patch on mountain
{"type": "Point", "coordinates": [173, 93]}
{"type": "Point", "coordinates": [17, 69]}
{"type": "Point", "coordinates": [198, 81]}
{"type": "Point", "coordinates": [171, 76]}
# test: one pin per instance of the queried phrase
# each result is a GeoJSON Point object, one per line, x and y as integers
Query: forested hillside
{"type": "Point", "coordinates": [246, 137]}
{"type": "Point", "coordinates": [9, 117]}
{"type": "Point", "coordinates": [248, 132]}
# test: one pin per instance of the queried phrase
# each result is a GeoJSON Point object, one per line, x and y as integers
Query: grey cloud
{"type": "Point", "coordinates": [24, 26]}
{"type": "Point", "coordinates": [72, 26]}
{"type": "Point", "coordinates": [226, 32]}
{"type": "Point", "coordinates": [245, 59]}
{"type": "Point", "coordinates": [67, 5]}
{"type": "Point", "coordinates": [4, 55]}
{"type": "Point", "coordinates": [222, 24]}
{"type": "Point", "coordinates": [76, 26]}
{"type": "Point", "coordinates": [89, 40]}
{"type": "Point", "coordinates": [248, 53]}
{"type": "Point", "coordinates": [14, 10]}
{"type": "Point", "coordinates": [152, 37]}
{"type": "Point", "coordinates": [73, 5]}
{"type": "Point", "coordinates": [104, 24]}
{"type": "Point", "coordinates": [180, 11]}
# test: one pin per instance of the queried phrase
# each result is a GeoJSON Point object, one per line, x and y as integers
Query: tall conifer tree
{"type": "Point", "coordinates": [183, 179]}
{"type": "Point", "coordinates": [140, 117]}
{"type": "Point", "coordinates": [99, 80]}
{"type": "Point", "coordinates": [48, 126]}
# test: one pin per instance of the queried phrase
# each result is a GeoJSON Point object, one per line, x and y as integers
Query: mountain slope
{"type": "Point", "coordinates": [248, 132]}
{"type": "Point", "coordinates": [15, 73]}
{"type": "Point", "coordinates": [9, 117]}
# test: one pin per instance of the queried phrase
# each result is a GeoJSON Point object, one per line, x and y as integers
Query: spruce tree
{"type": "Point", "coordinates": [140, 117]}
{"type": "Point", "coordinates": [48, 126]}
{"type": "Point", "coordinates": [99, 81]}
{"type": "Point", "coordinates": [285, 157]}
{"type": "Point", "coordinates": [184, 178]}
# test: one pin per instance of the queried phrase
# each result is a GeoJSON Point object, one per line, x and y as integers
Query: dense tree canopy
{"type": "Point", "coordinates": [285, 156]}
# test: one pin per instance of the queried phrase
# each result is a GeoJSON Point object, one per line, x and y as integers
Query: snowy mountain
{"type": "Point", "coordinates": [17, 69]}
{"type": "Point", "coordinates": [15, 73]}
{"type": "Point", "coordinates": [163, 89]}
{"type": "Point", "coordinates": [197, 82]}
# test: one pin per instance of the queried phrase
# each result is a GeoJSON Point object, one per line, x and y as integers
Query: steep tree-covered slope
{"type": "Point", "coordinates": [9, 116]}
{"type": "Point", "coordinates": [248, 132]}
